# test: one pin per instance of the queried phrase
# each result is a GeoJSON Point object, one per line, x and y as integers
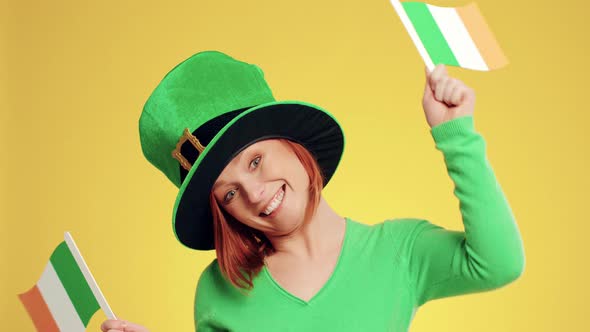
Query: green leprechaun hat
{"type": "Point", "coordinates": [203, 113]}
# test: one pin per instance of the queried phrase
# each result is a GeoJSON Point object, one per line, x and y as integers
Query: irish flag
{"type": "Point", "coordinates": [66, 296]}
{"type": "Point", "coordinates": [451, 36]}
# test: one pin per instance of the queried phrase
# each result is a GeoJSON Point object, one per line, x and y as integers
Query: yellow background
{"type": "Point", "coordinates": [74, 76]}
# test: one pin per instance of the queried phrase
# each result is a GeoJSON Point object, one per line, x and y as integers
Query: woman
{"type": "Point", "coordinates": [250, 171]}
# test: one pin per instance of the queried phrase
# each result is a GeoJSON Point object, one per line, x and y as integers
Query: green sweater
{"type": "Point", "coordinates": [386, 271]}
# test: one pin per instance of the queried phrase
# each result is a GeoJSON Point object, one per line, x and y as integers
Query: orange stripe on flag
{"type": "Point", "coordinates": [482, 36]}
{"type": "Point", "coordinates": [38, 310]}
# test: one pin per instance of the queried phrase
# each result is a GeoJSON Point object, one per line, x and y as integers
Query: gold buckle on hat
{"type": "Point", "coordinates": [176, 154]}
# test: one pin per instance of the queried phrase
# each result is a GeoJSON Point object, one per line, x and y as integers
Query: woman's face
{"type": "Point", "coordinates": [265, 187]}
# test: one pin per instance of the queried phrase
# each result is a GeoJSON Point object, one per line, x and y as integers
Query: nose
{"type": "Point", "coordinates": [254, 190]}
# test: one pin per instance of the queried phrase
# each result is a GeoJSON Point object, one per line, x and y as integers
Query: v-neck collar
{"type": "Point", "coordinates": [326, 284]}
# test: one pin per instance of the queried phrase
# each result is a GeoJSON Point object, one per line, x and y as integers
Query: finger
{"type": "Point", "coordinates": [448, 91]}
{"type": "Point", "coordinates": [107, 325]}
{"type": "Point", "coordinates": [427, 92]}
{"type": "Point", "coordinates": [457, 94]}
{"type": "Point", "coordinates": [113, 324]}
{"type": "Point", "coordinates": [440, 88]}
{"type": "Point", "coordinates": [437, 75]}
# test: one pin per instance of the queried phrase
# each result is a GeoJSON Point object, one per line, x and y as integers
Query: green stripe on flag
{"type": "Point", "coordinates": [74, 282]}
{"type": "Point", "coordinates": [432, 38]}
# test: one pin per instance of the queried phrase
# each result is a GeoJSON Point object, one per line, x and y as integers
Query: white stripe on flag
{"type": "Point", "coordinates": [458, 38]}
{"type": "Point", "coordinates": [88, 276]}
{"type": "Point", "coordinates": [59, 302]}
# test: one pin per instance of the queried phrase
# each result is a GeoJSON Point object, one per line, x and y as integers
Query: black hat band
{"type": "Point", "coordinates": [190, 152]}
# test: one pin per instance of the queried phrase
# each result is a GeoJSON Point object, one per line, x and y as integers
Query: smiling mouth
{"type": "Point", "coordinates": [275, 203]}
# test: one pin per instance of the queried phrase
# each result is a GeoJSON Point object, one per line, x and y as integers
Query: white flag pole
{"type": "Point", "coordinates": [413, 34]}
{"type": "Point", "coordinates": [89, 278]}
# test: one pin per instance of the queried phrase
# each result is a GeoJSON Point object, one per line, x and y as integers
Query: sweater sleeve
{"type": "Point", "coordinates": [489, 253]}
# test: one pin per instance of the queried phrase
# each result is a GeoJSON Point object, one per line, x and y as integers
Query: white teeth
{"type": "Point", "coordinates": [275, 202]}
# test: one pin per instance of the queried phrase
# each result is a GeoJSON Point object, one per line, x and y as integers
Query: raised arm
{"type": "Point", "coordinates": [489, 253]}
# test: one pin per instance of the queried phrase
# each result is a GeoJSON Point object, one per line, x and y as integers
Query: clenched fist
{"type": "Point", "coordinates": [445, 98]}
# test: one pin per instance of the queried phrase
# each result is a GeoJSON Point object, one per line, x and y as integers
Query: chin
{"type": "Point", "coordinates": [289, 228]}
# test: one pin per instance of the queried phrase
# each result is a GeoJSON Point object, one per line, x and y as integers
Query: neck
{"type": "Point", "coordinates": [324, 232]}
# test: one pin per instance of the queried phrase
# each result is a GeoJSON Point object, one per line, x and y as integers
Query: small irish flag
{"type": "Point", "coordinates": [451, 36]}
{"type": "Point", "coordinates": [66, 296]}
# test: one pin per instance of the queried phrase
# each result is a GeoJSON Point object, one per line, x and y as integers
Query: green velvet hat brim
{"type": "Point", "coordinates": [304, 123]}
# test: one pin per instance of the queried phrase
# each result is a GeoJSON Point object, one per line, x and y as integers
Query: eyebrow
{"type": "Point", "coordinates": [222, 183]}
{"type": "Point", "coordinates": [218, 184]}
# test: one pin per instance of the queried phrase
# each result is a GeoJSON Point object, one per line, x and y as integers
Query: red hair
{"type": "Point", "coordinates": [241, 249]}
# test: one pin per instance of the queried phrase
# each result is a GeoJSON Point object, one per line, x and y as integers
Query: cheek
{"type": "Point", "coordinates": [234, 210]}
{"type": "Point", "coordinates": [299, 180]}
{"type": "Point", "coordinates": [239, 211]}
{"type": "Point", "coordinates": [300, 175]}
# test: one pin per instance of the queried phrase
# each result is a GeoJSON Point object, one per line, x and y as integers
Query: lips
{"type": "Point", "coordinates": [275, 203]}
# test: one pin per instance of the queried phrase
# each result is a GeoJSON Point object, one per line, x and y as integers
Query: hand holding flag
{"type": "Point", "coordinates": [445, 98]}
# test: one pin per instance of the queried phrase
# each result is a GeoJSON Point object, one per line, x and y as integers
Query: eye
{"type": "Point", "coordinates": [255, 162]}
{"type": "Point", "coordinates": [230, 194]}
